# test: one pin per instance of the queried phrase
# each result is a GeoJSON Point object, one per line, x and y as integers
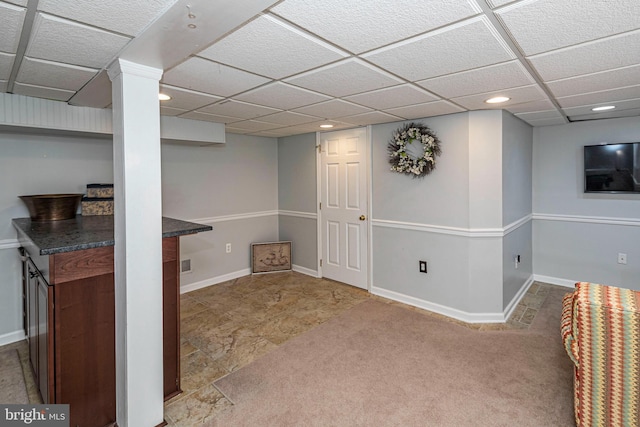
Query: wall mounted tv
{"type": "Point", "coordinates": [612, 168]}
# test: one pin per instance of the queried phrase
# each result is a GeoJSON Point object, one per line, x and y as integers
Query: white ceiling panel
{"type": "Point", "coordinates": [289, 118]}
{"type": "Point", "coordinates": [497, 3]}
{"type": "Point", "coordinates": [470, 44]}
{"type": "Point", "coordinates": [122, 16]}
{"type": "Point", "coordinates": [518, 95]}
{"type": "Point", "coordinates": [195, 115]}
{"type": "Point", "coordinates": [345, 78]}
{"type": "Point", "coordinates": [396, 96]}
{"type": "Point", "coordinates": [608, 96]}
{"type": "Point", "coordinates": [541, 115]}
{"type": "Point", "coordinates": [315, 127]}
{"type": "Point", "coordinates": [6, 63]}
{"type": "Point", "coordinates": [610, 79]}
{"type": "Point", "coordinates": [202, 75]}
{"type": "Point", "coordinates": [240, 109]}
{"type": "Point", "coordinates": [283, 96]}
{"type": "Point", "coordinates": [254, 126]}
{"type": "Point", "coordinates": [168, 111]}
{"type": "Point", "coordinates": [18, 2]}
{"type": "Point", "coordinates": [372, 117]}
{"type": "Point", "coordinates": [11, 20]}
{"type": "Point", "coordinates": [419, 111]}
{"type": "Point", "coordinates": [332, 109]}
{"type": "Point", "coordinates": [54, 74]}
{"type": "Point", "coordinates": [186, 99]}
{"type": "Point", "coordinates": [544, 25]}
{"type": "Point", "coordinates": [269, 47]}
{"type": "Point", "coordinates": [485, 79]}
{"type": "Point", "coordinates": [65, 41]}
{"type": "Point", "coordinates": [632, 112]}
{"type": "Point", "coordinates": [612, 52]}
{"type": "Point", "coordinates": [3, 85]}
{"type": "Point", "coordinates": [528, 107]}
{"type": "Point", "coordinates": [42, 92]}
{"type": "Point", "coordinates": [628, 104]}
{"type": "Point", "coordinates": [373, 24]}
{"type": "Point", "coordinates": [546, 122]}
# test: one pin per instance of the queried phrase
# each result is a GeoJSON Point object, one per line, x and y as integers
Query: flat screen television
{"type": "Point", "coordinates": [612, 168]}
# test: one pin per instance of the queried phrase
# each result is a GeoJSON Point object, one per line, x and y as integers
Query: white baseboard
{"type": "Point", "coordinates": [555, 281]}
{"type": "Point", "coordinates": [11, 337]}
{"type": "Point", "coordinates": [516, 299]}
{"type": "Point", "coordinates": [305, 270]}
{"type": "Point", "coordinates": [440, 309]}
{"type": "Point", "coordinates": [214, 280]}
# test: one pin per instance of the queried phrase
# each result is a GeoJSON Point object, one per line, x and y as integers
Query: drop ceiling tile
{"type": "Point", "coordinates": [371, 118]}
{"type": "Point", "coordinates": [485, 79]}
{"type": "Point", "coordinates": [518, 95]}
{"type": "Point", "coordinates": [540, 115]}
{"type": "Point", "coordinates": [629, 104]}
{"type": "Point", "coordinates": [122, 16]}
{"type": "Point", "coordinates": [54, 74]}
{"type": "Point", "coordinates": [610, 79]}
{"type": "Point", "coordinates": [3, 85]}
{"type": "Point", "coordinates": [168, 111]}
{"type": "Point", "coordinates": [60, 40]}
{"type": "Point", "coordinates": [272, 48]}
{"type": "Point", "coordinates": [186, 99]}
{"type": "Point", "coordinates": [470, 44]}
{"type": "Point", "coordinates": [11, 20]}
{"type": "Point", "coordinates": [210, 77]}
{"type": "Point", "coordinates": [606, 96]}
{"type": "Point", "coordinates": [605, 54]}
{"type": "Point", "coordinates": [283, 96]}
{"type": "Point", "coordinates": [289, 118]}
{"type": "Point", "coordinates": [345, 78]}
{"type": "Point", "coordinates": [195, 115]}
{"type": "Point", "coordinates": [546, 122]}
{"type": "Point", "coordinates": [254, 126]}
{"type": "Point", "coordinates": [332, 109]}
{"type": "Point", "coordinates": [498, 3]}
{"type": "Point", "coordinates": [528, 107]}
{"type": "Point", "coordinates": [6, 64]}
{"type": "Point", "coordinates": [437, 108]}
{"type": "Point", "coordinates": [18, 2]}
{"type": "Point", "coordinates": [372, 25]}
{"type": "Point", "coordinates": [232, 108]}
{"type": "Point", "coordinates": [633, 112]}
{"type": "Point", "coordinates": [42, 92]}
{"type": "Point", "coordinates": [315, 127]}
{"type": "Point", "coordinates": [275, 133]}
{"type": "Point", "coordinates": [544, 25]}
{"type": "Point", "coordinates": [396, 96]}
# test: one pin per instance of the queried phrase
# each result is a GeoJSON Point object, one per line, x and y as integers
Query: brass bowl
{"type": "Point", "coordinates": [52, 207]}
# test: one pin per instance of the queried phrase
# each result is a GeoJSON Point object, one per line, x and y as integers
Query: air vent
{"type": "Point", "coordinates": [185, 266]}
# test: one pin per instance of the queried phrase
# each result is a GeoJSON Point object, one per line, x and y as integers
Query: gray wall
{"type": "Point", "coordinates": [517, 164]}
{"type": "Point", "coordinates": [234, 187]}
{"type": "Point", "coordinates": [37, 164]}
{"type": "Point", "coordinates": [297, 194]}
{"type": "Point", "coordinates": [579, 238]}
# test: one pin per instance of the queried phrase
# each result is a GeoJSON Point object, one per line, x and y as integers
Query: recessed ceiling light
{"type": "Point", "coordinates": [497, 100]}
{"type": "Point", "coordinates": [163, 97]}
{"type": "Point", "coordinates": [326, 126]}
{"type": "Point", "coordinates": [604, 108]}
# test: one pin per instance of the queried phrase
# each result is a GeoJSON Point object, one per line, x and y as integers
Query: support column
{"type": "Point", "coordinates": [138, 244]}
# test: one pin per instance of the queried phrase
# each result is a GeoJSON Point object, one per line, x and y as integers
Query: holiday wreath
{"type": "Point", "coordinates": [403, 161]}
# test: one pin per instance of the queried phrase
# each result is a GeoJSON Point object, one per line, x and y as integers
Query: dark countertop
{"type": "Point", "coordinates": [53, 237]}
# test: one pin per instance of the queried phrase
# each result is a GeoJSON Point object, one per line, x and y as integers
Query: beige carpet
{"type": "Point", "coordinates": [385, 365]}
{"type": "Point", "coordinates": [12, 386]}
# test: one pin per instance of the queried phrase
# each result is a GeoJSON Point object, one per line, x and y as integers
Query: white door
{"type": "Point", "coordinates": [343, 209]}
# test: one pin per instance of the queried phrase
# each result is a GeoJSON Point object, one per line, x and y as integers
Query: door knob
{"type": "Point", "coordinates": [362, 217]}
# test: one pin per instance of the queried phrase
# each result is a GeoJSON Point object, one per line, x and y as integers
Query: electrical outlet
{"type": "Point", "coordinates": [423, 266]}
{"type": "Point", "coordinates": [622, 258]}
{"type": "Point", "coordinates": [228, 248]}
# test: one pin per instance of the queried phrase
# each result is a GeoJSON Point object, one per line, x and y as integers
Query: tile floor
{"type": "Point", "coordinates": [226, 326]}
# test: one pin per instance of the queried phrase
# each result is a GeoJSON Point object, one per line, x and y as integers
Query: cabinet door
{"type": "Point", "coordinates": [32, 315]}
{"type": "Point", "coordinates": [43, 336]}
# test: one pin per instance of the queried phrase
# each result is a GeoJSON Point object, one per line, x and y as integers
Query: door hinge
{"type": "Point", "coordinates": [178, 382]}
{"type": "Point", "coordinates": [319, 148]}
{"type": "Point", "coordinates": [320, 263]}
{"type": "Point", "coordinates": [320, 205]}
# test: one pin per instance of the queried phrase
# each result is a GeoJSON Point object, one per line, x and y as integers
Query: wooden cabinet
{"type": "Point", "coordinates": [70, 322]}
